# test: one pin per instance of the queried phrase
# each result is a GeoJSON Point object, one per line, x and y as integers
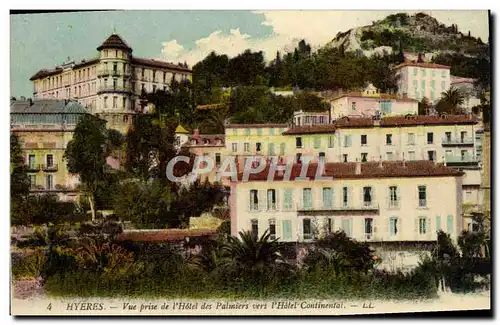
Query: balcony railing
{"type": "Point", "coordinates": [50, 168]}
{"type": "Point", "coordinates": [394, 204]}
{"type": "Point", "coordinates": [467, 159]}
{"type": "Point", "coordinates": [466, 141]}
{"type": "Point", "coordinates": [365, 206]}
{"type": "Point", "coordinates": [33, 167]}
{"type": "Point", "coordinates": [112, 72]}
{"type": "Point", "coordinates": [111, 88]}
{"type": "Point", "coordinates": [422, 203]}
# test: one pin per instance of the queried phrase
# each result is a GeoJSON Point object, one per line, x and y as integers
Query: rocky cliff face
{"type": "Point", "coordinates": [419, 33]}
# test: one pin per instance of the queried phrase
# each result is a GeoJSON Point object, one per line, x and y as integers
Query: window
{"type": "Point", "coordinates": [422, 71]}
{"type": "Point", "coordinates": [415, 84]}
{"type": "Point", "coordinates": [431, 155]}
{"type": "Point", "coordinates": [364, 157]}
{"type": "Point", "coordinates": [463, 155]}
{"type": "Point", "coordinates": [353, 106]}
{"type": "Point", "coordinates": [32, 180]}
{"type": "Point", "coordinates": [254, 200]}
{"type": "Point", "coordinates": [433, 95]}
{"type": "Point", "coordinates": [329, 226]}
{"type": "Point", "coordinates": [50, 160]}
{"type": "Point", "coordinates": [345, 157]}
{"type": "Point", "coordinates": [447, 136]}
{"type": "Point", "coordinates": [282, 148]}
{"type": "Point", "coordinates": [235, 131]}
{"type": "Point", "coordinates": [327, 197]}
{"type": "Point", "coordinates": [255, 229]}
{"type": "Point", "coordinates": [259, 131]}
{"type": "Point", "coordinates": [31, 161]}
{"type": "Point", "coordinates": [422, 225]}
{"type": "Point", "coordinates": [272, 229]}
{"type": "Point", "coordinates": [433, 84]}
{"type": "Point", "coordinates": [105, 101]}
{"type": "Point", "coordinates": [388, 139]}
{"type": "Point", "coordinates": [411, 139]}
{"type": "Point", "coordinates": [298, 158]}
{"type": "Point", "coordinates": [142, 73]}
{"type": "Point", "coordinates": [345, 197]}
{"type": "Point", "coordinates": [463, 136]}
{"type": "Point", "coordinates": [321, 157]}
{"type": "Point", "coordinates": [449, 224]}
{"type": "Point", "coordinates": [367, 196]}
{"type": "Point", "coordinates": [393, 226]}
{"type": "Point", "coordinates": [287, 229]}
{"type": "Point", "coordinates": [363, 140]}
{"type": "Point", "coordinates": [443, 85]}
{"type": "Point", "coordinates": [234, 147]}
{"type": "Point", "coordinates": [287, 200]}
{"type": "Point", "coordinates": [422, 196]}
{"type": "Point", "coordinates": [217, 159]}
{"type": "Point", "coordinates": [331, 141]}
{"type": "Point", "coordinates": [368, 227]}
{"type": "Point", "coordinates": [389, 155]}
{"type": "Point", "coordinates": [114, 83]}
{"type": "Point", "coordinates": [114, 101]}
{"type": "Point", "coordinates": [154, 88]}
{"type": "Point", "coordinates": [271, 131]}
{"type": "Point", "coordinates": [307, 198]}
{"type": "Point", "coordinates": [415, 71]}
{"type": "Point", "coordinates": [393, 197]}
{"type": "Point", "coordinates": [411, 155]}
{"type": "Point", "coordinates": [347, 141]}
{"type": "Point", "coordinates": [246, 147]}
{"type": "Point", "coordinates": [306, 229]}
{"type": "Point", "coordinates": [298, 142]}
{"type": "Point", "coordinates": [50, 182]}
{"type": "Point", "coordinates": [430, 138]}
{"type": "Point", "coordinates": [271, 199]}
{"type": "Point", "coordinates": [347, 226]}
{"type": "Point", "coordinates": [317, 143]}
{"type": "Point", "coordinates": [258, 146]}
{"type": "Point", "coordinates": [247, 131]}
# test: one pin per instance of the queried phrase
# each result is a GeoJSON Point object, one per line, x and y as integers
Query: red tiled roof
{"type": "Point", "coordinates": [159, 63]}
{"type": "Point", "coordinates": [359, 94]}
{"type": "Point", "coordinates": [212, 140]}
{"type": "Point", "coordinates": [422, 65]}
{"type": "Point", "coordinates": [49, 72]}
{"type": "Point", "coordinates": [254, 126]}
{"type": "Point", "coordinates": [114, 41]}
{"type": "Point", "coordinates": [409, 120]}
{"type": "Point", "coordinates": [313, 129]}
{"type": "Point", "coordinates": [423, 168]}
{"type": "Point", "coordinates": [456, 80]}
{"type": "Point", "coordinates": [167, 235]}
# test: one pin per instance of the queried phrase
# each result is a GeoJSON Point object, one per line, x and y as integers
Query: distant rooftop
{"type": "Point", "coordinates": [47, 106]}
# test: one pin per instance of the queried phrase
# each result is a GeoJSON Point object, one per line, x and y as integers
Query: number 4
{"type": "Point", "coordinates": [49, 307]}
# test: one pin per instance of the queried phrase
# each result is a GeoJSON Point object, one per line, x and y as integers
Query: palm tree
{"type": "Point", "coordinates": [450, 101]}
{"type": "Point", "coordinates": [423, 106]}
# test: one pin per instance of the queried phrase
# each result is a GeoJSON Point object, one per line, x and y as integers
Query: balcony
{"type": "Point", "coordinates": [33, 167]}
{"type": "Point", "coordinates": [50, 168]}
{"type": "Point", "coordinates": [465, 141]}
{"type": "Point", "coordinates": [394, 204]}
{"type": "Point", "coordinates": [114, 89]}
{"type": "Point", "coordinates": [368, 207]}
{"type": "Point", "coordinates": [467, 160]}
{"type": "Point", "coordinates": [112, 72]}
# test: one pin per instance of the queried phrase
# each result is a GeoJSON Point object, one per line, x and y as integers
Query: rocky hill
{"type": "Point", "coordinates": [419, 33]}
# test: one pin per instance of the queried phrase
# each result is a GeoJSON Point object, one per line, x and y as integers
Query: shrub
{"type": "Point", "coordinates": [225, 227]}
{"type": "Point", "coordinates": [30, 265]}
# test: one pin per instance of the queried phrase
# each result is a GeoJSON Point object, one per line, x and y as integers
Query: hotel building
{"type": "Point", "coordinates": [110, 84]}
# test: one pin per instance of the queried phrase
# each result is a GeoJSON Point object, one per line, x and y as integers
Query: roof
{"type": "Point", "coordinates": [114, 41]}
{"type": "Point", "coordinates": [181, 129]}
{"type": "Point", "coordinates": [385, 169]}
{"type": "Point", "coordinates": [159, 63]}
{"type": "Point", "coordinates": [203, 140]}
{"type": "Point", "coordinates": [165, 235]}
{"type": "Point", "coordinates": [377, 96]}
{"type": "Point", "coordinates": [256, 126]}
{"type": "Point", "coordinates": [313, 129]}
{"type": "Point", "coordinates": [459, 80]}
{"type": "Point", "coordinates": [408, 120]}
{"type": "Point", "coordinates": [47, 106]}
{"type": "Point", "coordinates": [49, 72]}
{"type": "Point", "coordinates": [422, 65]}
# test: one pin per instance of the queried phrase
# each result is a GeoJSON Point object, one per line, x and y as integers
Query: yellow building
{"type": "Point", "coordinates": [45, 128]}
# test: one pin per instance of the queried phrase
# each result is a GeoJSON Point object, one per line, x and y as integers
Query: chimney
{"type": "Point", "coordinates": [196, 133]}
{"type": "Point", "coordinates": [358, 167]}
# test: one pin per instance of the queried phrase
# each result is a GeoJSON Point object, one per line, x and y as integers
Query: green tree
{"type": "Point", "coordinates": [86, 155]}
{"type": "Point", "coordinates": [450, 101]}
{"type": "Point", "coordinates": [423, 106]}
{"type": "Point", "coordinates": [19, 181]}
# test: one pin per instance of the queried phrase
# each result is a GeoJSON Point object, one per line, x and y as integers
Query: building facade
{"type": "Point", "coordinates": [419, 80]}
{"type": "Point", "coordinates": [110, 84]}
{"type": "Point", "coordinates": [466, 87]}
{"type": "Point", "coordinates": [373, 202]}
{"type": "Point", "coordinates": [45, 127]}
{"type": "Point", "coordinates": [301, 118]}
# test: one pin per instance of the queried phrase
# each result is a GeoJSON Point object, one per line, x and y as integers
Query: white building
{"type": "Point", "coordinates": [110, 84]}
{"type": "Point", "coordinates": [374, 202]}
{"type": "Point", "coordinates": [418, 80]}
{"type": "Point", "coordinates": [301, 118]}
{"type": "Point", "coordinates": [466, 87]}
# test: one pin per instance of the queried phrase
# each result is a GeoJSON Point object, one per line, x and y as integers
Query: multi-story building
{"type": "Point", "coordinates": [371, 103]}
{"type": "Point", "coordinates": [466, 87]}
{"type": "Point", "coordinates": [385, 201]}
{"type": "Point", "coordinates": [418, 80]}
{"type": "Point", "coordinates": [45, 128]}
{"type": "Point", "coordinates": [110, 84]}
{"type": "Point", "coordinates": [301, 118]}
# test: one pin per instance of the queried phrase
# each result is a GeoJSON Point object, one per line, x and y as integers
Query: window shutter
{"type": "Point", "coordinates": [398, 194]}
{"type": "Point", "coordinates": [400, 225]}
{"type": "Point", "coordinates": [429, 228]}
{"type": "Point", "coordinates": [374, 198]}
{"type": "Point", "coordinates": [262, 200]}
{"type": "Point", "coordinates": [269, 199]}
{"type": "Point", "coordinates": [350, 200]}
{"type": "Point", "coordinates": [349, 140]}
{"type": "Point", "coordinates": [361, 196]}
{"type": "Point", "coordinates": [438, 223]}
{"type": "Point", "coordinates": [349, 222]}
{"type": "Point", "coordinates": [249, 200]}
{"type": "Point", "coordinates": [333, 224]}
{"type": "Point", "coordinates": [449, 225]}
{"type": "Point", "coordinates": [333, 197]}
{"type": "Point", "coordinates": [277, 197]}
{"type": "Point", "coordinates": [287, 229]}
{"type": "Point", "coordinates": [278, 230]}
{"type": "Point", "coordinates": [390, 224]}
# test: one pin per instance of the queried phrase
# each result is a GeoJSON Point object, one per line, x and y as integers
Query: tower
{"type": "Point", "coordinates": [115, 85]}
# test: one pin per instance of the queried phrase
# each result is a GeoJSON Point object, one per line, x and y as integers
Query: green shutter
{"type": "Point", "coordinates": [287, 229]}
{"type": "Point", "coordinates": [438, 223]}
{"type": "Point", "coordinates": [307, 199]}
{"type": "Point", "coordinates": [287, 202]}
{"type": "Point", "coordinates": [449, 224]}
{"type": "Point", "coordinates": [271, 149]}
{"type": "Point", "coordinates": [317, 142]}
{"type": "Point", "coordinates": [282, 149]}
{"type": "Point", "coordinates": [327, 198]}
